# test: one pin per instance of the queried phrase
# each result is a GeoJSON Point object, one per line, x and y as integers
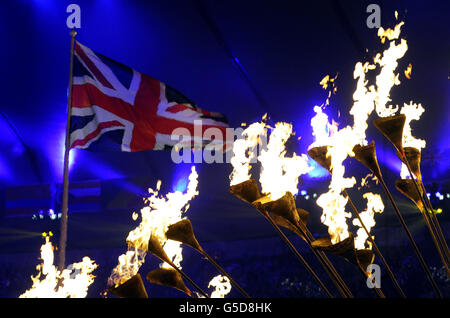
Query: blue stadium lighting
{"type": "Point", "coordinates": [63, 149]}
{"type": "Point", "coordinates": [71, 158]}
{"type": "Point", "coordinates": [303, 192]}
{"type": "Point", "coordinates": [51, 214]}
{"type": "Point", "coordinates": [4, 171]}
{"type": "Point", "coordinates": [442, 142]}
{"type": "Point", "coordinates": [18, 149]}
{"type": "Point", "coordinates": [181, 177]}
{"type": "Point", "coordinates": [101, 169]}
{"type": "Point", "coordinates": [318, 172]}
{"type": "Point", "coordinates": [390, 160]}
{"type": "Point", "coordinates": [55, 154]}
{"type": "Point", "coordinates": [41, 214]}
{"type": "Point", "coordinates": [180, 185]}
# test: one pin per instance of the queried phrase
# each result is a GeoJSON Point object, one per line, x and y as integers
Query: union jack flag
{"type": "Point", "coordinates": [116, 108]}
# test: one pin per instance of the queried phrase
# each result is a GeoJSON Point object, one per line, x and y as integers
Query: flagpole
{"type": "Point", "coordinates": [65, 197]}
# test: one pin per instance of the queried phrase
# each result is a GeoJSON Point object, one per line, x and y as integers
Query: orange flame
{"type": "Point", "coordinates": [161, 212]}
{"type": "Point", "coordinates": [390, 34]}
{"type": "Point", "coordinates": [222, 286]}
{"type": "Point", "coordinates": [341, 142]}
{"type": "Point", "coordinates": [243, 152]}
{"type": "Point", "coordinates": [408, 71]}
{"type": "Point", "coordinates": [72, 282]}
{"type": "Point", "coordinates": [279, 174]}
{"type": "Point", "coordinates": [412, 112]}
{"type": "Point", "coordinates": [374, 204]}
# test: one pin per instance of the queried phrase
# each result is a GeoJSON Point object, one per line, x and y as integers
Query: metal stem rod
{"type": "Point", "coordinates": [188, 279]}
{"type": "Point", "coordinates": [437, 225]}
{"type": "Point", "coordinates": [411, 239]}
{"type": "Point", "coordinates": [220, 269]}
{"type": "Point", "coordinates": [376, 290]}
{"type": "Point", "coordinates": [379, 293]}
{"type": "Point", "coordinates": [377, 250]}
{"type": "Point", "coordinates": [426, 214]}
{"type": "Point", "coordinates": [331, 271]}
{"type": "Point", "coordinates": [326, 263]}
{"type": "Point", "coordinates": [299, 256]}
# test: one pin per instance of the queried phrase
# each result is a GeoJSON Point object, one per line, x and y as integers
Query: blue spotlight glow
{"type": "Point", "coordinates": [180, 185]}
{"type": "Point", "coordinates": [102, 170]}
{"type": "Point", "coordinates": [441, 143]}
{"type": "Point", "coordinates": [388, 158]}
{"type": "Point", "coordinates": [318, 172]}
{"type": "Point", "coordinates": [181, 177]}
{"type": "Point", "coordinates": [4, 170]}
{"type": "Point", "coordinates": [63, 150]}
{"type": "Point", "coordinates": [55, 154]}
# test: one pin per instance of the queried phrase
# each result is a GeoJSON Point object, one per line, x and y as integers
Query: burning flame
{"type": "Point", "coordinates": [128, 266]}
{"type": "Point", "coordinates": [161, 212]}
{"type": "Point", "coordinates": [72, 282]}
{"type": "Point", "coordinates": [322, 129]}
{"type": "Point", "coordinates": [222, 286]}
{"type": "Point", "coordinates": [341, 142]}
{"type": "Point", "coordinates": [390, 34]}
{"type": "Point", "coordinates": [374, 204]}
{"type": "Point", "coordinates": [412, 112]}
{"type": "Point", "coordinates": [279, 173]}
{"type": "Point", "coordinates": [333, 203]}
{"type": "Point", "coordinates": [334, 215]}
{"type": "Point", "coordinates": [329, 81]}
{"type": "Point", "coordinates": [365, 180]}
{"type": "Point", "coordinates": [387, 77]}
{"type": "Point", "coordinates": [408, 71]}
{"type": "Point", "coordinates": [363, 102]}
{"type": "Point", "coordinates": [243, 152]}
{"type": "Point", "coordinates": [325, 81]}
